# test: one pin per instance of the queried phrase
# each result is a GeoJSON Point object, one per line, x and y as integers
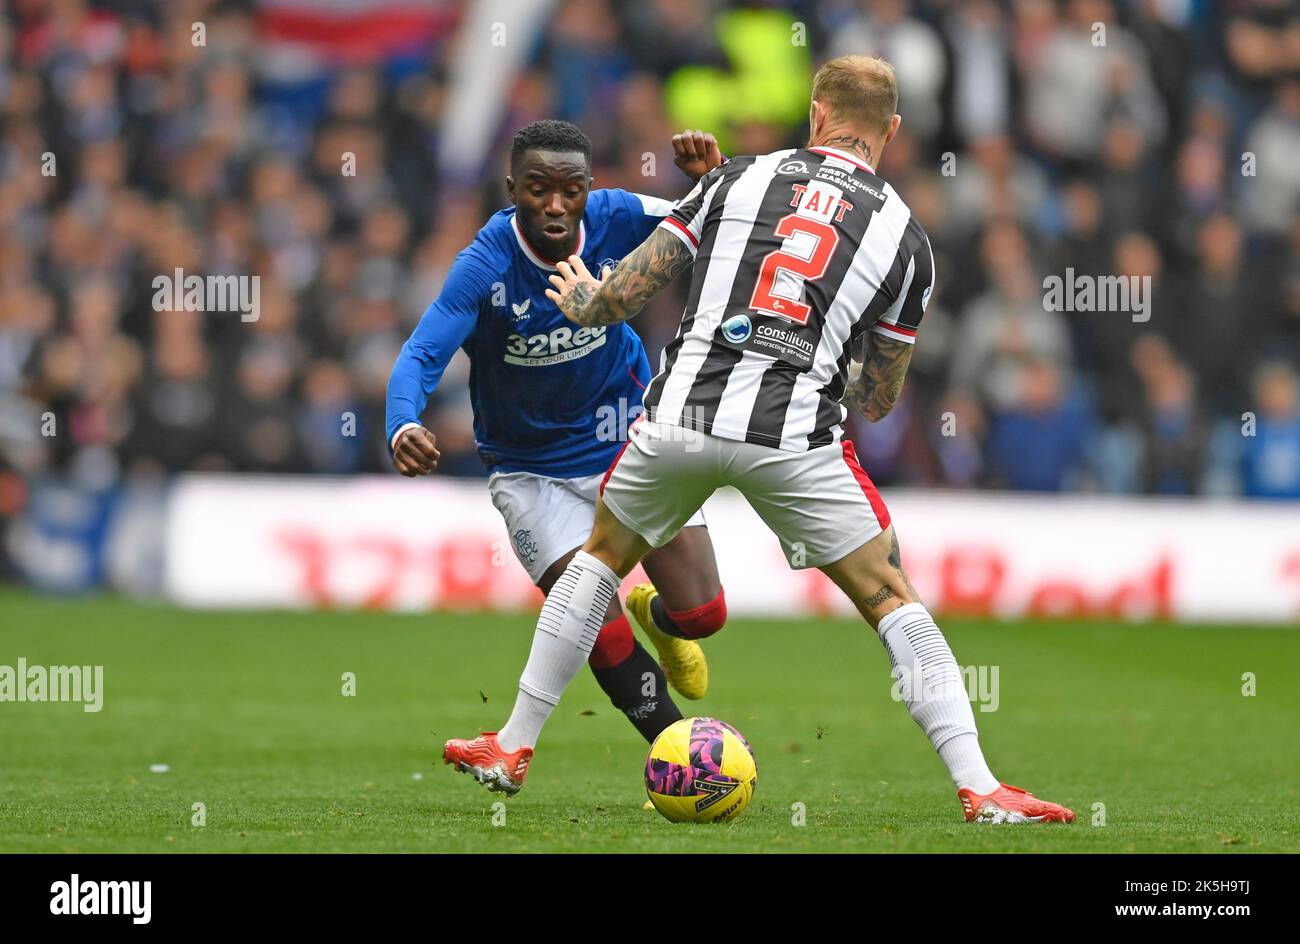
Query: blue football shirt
{"type": "Point", "coordinates": [549, 397]}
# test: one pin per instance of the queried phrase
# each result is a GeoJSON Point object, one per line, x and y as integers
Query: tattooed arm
{"type": "Point", "coordinates": [641, 276]}
{"type": "Point", "coordinates": [874, 388]}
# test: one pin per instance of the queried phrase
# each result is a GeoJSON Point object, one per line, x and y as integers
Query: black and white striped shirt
{"type": "Point", "coordinates": [798, 253]}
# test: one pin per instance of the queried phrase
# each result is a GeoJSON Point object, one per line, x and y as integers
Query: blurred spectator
{"type": "Point", "coordinates": [982, 83]}
{"type": "Point", "coordinates": [1115, 344]}
{"type": "Point", "coordinates": [587, 64]}
{"type": "Point", "coordinates": [664, 35]}
{"type": "Point", "coordinates": [1272, 194]}
{"type": "Point", "coordinates": [1038, 444]}
{"type": "Point", "coordinates": [1173, 432]}
{"type": "Point", "coordinates": [1007, 327]}
{"type": "Point", "coordinates": [886, 28]}
{"type": "Point", "coordinates": [329, 425]}
{"type": "Point", "coordinates": [958, 440]}
{"type": "Point", "coordinates": [1271, 457]}
{"type": "Point", "coordinates": [176, 409]}
{"type": "Point", "coordinates": [994, 181]}
{"type": "Point", "coordinates": [1080, 70]}
{"type": "Point", "coordinates": [260, 431]}
{"type": "Point", "coordinates": [1219, 298]}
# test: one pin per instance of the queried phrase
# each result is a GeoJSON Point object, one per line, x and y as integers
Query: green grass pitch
{"type": "Point", "coordinates": [246, 711]}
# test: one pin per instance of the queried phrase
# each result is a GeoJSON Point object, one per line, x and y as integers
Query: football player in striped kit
{"type": "Point", "coordinates": [803, 261]}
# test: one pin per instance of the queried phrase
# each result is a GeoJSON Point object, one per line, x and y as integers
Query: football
{"type": "Point", "coordinates": [700, 770]}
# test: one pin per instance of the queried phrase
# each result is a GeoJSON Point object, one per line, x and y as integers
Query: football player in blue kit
{"type": "Point", "coordinates": [552, 403]}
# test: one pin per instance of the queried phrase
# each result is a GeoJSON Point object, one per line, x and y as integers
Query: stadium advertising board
{"type": "Point", "coordinates": [376, 542]}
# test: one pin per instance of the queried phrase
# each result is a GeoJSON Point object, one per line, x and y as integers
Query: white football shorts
{"type": "Point", "coordinates": [546, 517]}
{"type": "Point", "coordinates": [820, 504]}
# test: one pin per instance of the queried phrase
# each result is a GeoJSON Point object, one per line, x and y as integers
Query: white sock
{"type": "Point", "coordinates": [965, 762]}
{"type": "Point", "coordinates": [931, 683]}
{"type": "Point", "coordinates": [566, 630]}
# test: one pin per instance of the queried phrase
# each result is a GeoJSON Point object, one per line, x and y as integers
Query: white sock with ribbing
{"type": "Point", "coordinates": [931, 684]}
{"type": "Point", "coordinates": [566, 630]}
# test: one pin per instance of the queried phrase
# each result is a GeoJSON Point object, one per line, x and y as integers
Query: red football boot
{"type": "Point", "coordinates": [1008, 804]}
{"type": "Point", "coordinates": [490, 765]}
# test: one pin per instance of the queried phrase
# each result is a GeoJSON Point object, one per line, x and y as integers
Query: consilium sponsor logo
{"type": "Point", "coordinates": [75, 897]}
{"type": "Point", "coordinates": [37, 683]}
{"type": "Point", "coordinates": [788, 338]}
{"type": "Point", "coordinates": [737, 329]}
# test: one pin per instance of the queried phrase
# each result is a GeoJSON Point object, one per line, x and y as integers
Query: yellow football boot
{"type": "Point", "coordinates": [683, 659]}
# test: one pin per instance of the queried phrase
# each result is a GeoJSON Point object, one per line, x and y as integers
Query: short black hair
{"type": "Point", "coordinates": [549, 135]}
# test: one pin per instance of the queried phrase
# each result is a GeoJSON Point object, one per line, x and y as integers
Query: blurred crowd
{"type": "Point", "coordinates": [1152, 138]}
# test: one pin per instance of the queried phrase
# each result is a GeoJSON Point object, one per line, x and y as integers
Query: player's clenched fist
{"type": "Point", "coordinates": [416, 452]}
{"type": "Point", "coordinates": [696, 153]}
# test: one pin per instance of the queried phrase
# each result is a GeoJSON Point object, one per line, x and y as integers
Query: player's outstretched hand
{"type": "Point", "coordinates": [696, 153]}
{"type": "Point", "coordinates": [574, 287]}
{"type": "Point", "coordinates": [416, 452]}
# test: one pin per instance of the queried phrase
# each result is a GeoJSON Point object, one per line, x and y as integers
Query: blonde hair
{"type": "Point", "coordinates": [862, 90]}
